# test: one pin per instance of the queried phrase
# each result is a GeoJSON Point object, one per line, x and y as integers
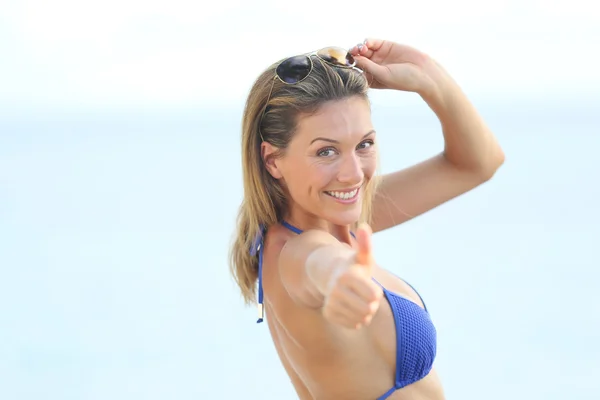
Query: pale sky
{"type": "Point", "coordinates": [183, 53]}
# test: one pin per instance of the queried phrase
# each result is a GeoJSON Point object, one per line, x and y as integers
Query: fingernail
{"type": "Point", "coordinates": [365, 41]}
{"type": "Point", "coordinates": [360, 46]}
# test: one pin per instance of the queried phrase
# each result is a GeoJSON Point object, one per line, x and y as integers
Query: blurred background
{"type": "Point", "coordinates": [120, 179]}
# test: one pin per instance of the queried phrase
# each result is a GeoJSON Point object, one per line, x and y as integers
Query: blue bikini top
{"type": "Point", "coordinates": [416, 337]}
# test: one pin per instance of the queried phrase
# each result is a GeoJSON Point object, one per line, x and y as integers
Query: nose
{"type": "Point", "coordinates": [351, 170]}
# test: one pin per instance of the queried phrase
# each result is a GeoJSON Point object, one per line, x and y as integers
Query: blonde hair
{"type": "Point", "coordinates": [264, 201]}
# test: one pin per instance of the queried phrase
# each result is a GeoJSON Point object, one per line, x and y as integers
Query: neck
{"type": "Point", "coordinates": [304, 221]}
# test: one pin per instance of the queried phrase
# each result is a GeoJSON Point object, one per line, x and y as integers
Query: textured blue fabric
{"type": "Point", "coordinates": [416, 341]}
{"type": "Point", "coordinates": [416, 337]}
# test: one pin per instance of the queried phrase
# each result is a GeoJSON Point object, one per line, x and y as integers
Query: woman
{"type": "Point", "coordinates": [344, 327]}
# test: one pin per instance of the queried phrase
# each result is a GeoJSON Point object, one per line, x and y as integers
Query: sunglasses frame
{"type": "Point", "coordinates": [309, 56]}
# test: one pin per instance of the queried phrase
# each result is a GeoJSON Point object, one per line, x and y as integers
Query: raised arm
{"type": "Point", "coordinates": [471, 153]}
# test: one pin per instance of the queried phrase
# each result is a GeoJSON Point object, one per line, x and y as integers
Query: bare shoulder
{"type": "Point", "coordinates": [289, 299]}
{"type": "Point", "coordinates": [300, 245]}
{"type": "Point", "coordinates": [284, 246]}
{"type": "Point", "coordinates": [287, 257]}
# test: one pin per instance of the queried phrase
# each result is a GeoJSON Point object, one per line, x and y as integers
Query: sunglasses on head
{"type": "Point", "coordinates": [295, 69]}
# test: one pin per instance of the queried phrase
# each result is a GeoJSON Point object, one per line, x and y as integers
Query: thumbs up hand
{"type": "Point", "coordinates": [353, 298]}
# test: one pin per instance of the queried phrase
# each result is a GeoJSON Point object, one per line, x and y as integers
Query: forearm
{"type": "Point", "coordinates": [469, 143]}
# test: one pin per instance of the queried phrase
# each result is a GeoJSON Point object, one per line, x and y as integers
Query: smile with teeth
{"type": "Point", "coordinates": [344, 195]}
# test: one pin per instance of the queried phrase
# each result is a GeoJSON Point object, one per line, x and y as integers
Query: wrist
{"type": "Point", "coordinates": [444, 98]}
{"type": "Point", "coordinates": [439, 90]}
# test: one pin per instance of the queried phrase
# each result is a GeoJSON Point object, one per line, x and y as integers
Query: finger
{"type": "Point", "coordinates": [363, 286]}
{"type": "Point", "coordinates": [370, 67]}
{"type": "Point", "coordinates": [375, 74]}
{"type": "Point", "coordinates": [364, 255]}
{"type": "Point", "coordinates": [340, 316]}
{"type": "Point", "coordinates": [367, 290]}
{"type": "Point", "coordinates": [373, 43]}
{"type": "Point", "coordinates": [365, 51]}
{"type": "Point", "coordinates": [356, 305]}
{"type": "Point", "coordinates": [348, 303]}
{"type": "Point", "coordinates": [350, 321]}
{"type": "Point", "coordinates": [360, 50]}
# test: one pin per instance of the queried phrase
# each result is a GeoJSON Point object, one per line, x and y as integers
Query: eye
{"type": "Point", "coordinates": [365, 144]}
{"type": "Point", "coordinates": [327, 152]}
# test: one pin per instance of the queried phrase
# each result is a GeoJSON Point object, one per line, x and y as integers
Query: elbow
{"type": "Point", "coordinates": [482, 168]}
{"type": "Point", "coordinates": [492, 164]}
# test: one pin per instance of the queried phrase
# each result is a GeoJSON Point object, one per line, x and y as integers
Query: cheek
{"type": "Point", "coordinates": [370, 166]}
{"type": "Point", "coordinates": [302, 178]}
{"type": "Point", "coordinates": [319, 176]}
{"type": "Point", "coordinates": [311, 179]}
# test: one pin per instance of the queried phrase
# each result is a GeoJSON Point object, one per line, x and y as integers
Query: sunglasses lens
{"type": "Point", "coordinates": [336, 56]}
{"type": "Point", "coordinates": [294, 69]}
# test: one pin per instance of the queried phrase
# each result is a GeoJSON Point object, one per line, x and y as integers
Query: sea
{"type": "Point", "coordinates": [114, 234]}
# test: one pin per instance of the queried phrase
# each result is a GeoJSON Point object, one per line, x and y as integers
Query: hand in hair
{"type": "Point", "coordinates": [352, 297]}
{"type": "Point", "coordinates": [390, 65]}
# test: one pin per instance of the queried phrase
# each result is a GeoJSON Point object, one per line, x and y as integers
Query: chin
{"type": "Point", "coordinates": [349, 216]}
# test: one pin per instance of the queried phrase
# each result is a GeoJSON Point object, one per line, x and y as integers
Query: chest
{"type": "Point", "coordinates": [403, 329]}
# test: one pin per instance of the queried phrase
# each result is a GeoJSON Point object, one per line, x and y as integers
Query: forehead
{"type": "Point", "coordinates": [337, 119]}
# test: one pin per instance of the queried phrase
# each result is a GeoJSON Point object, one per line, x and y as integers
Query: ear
{"type": "Point", "coordinates": [268, 153]}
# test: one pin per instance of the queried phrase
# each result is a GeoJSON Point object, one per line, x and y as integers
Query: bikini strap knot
{"type": "Point", "coordinates": [257, 248]}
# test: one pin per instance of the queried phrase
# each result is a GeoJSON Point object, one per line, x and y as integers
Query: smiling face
{"type": "Point", "coordinates": [329, 161]}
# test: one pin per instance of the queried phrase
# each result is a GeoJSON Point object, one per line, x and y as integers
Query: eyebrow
{"type": "Point", "coordinates": [324, 139]}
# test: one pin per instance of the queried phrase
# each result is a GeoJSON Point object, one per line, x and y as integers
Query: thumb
{"type": "Point", "coordinates": [368, 66]}
{"type": "Point", "coordinates": [364, 256]}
